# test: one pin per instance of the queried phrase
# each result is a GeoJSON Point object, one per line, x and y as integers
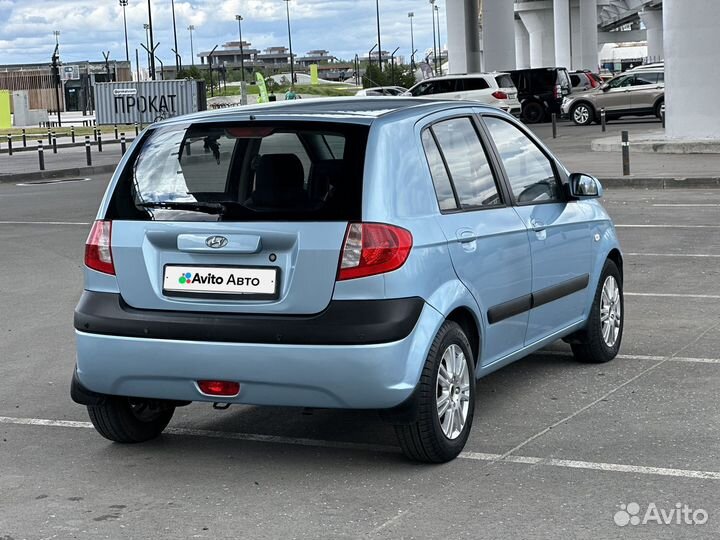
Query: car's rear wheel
{"type": "Point", "coordinates": [130, 420]}
{"type": "Point", "coordinates": [582, 114]}
{"type": "Point", "coordinates": [533, 112]}
{"type": "Point", "coordinates": [659, 108]}
{"type": "Point", "coordinates": [446, 400]}
{"type": "Point", "coordinates": [600, 341]}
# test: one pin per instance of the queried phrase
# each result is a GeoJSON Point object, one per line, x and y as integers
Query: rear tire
{"type": "Point", "coordinates": [600, 341]}
{"type": "Point", "coordinates": [533, 112]}
{"type": "Point", "coordinates": [130, 420]}
{"type": "Point", "coordinates": [659, 108]}
{"type": "Point", "coordinates": [447, 383]}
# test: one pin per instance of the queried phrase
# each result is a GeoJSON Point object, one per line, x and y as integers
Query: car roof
{"type": "Point", "coordinates": [467, 76]}
{"type": "Point", "coordinates": [359, 110]}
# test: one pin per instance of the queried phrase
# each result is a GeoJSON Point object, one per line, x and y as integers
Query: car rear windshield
{"type": "Point", "coordinates": [254, 171]}
{"type": "Point", "coordinates": [505, 81]}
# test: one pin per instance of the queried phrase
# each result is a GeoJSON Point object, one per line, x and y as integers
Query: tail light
{"type": "Point", "coordinates": [98, 255]}
{"type": "Point", "coordinates": [558, 91]}
{"type": "Point", "coordinates": [373, 248]}
{"type": "Point", "coordinates": [499, 95]}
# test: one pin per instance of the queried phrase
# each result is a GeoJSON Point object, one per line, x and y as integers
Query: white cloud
{"type": "Point", "coordinates": [87, 27]}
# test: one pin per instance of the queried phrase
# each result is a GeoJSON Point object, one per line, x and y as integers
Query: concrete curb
{"type": "Point", "coordinates": [75, 172]}
{"type": "Point", "coordinates": [638, 182]}
{"type": "Point", "coordinates": [656, 145]}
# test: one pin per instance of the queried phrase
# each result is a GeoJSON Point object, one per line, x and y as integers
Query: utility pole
{"type": "Point", "coordinates": [437, 12]}
{"type": "Point", "coordinates": [210, 65]}
{"type": "Point", "coordinates": [177, 62]}
{"type": "Point", "coordinates": [377, 9]}
{"type": "Point", "coordinates": [411, 15]}
{"type": "Point", "coordinates": [152, 42]}
{"type": "Point", "coordinates": [192, 50]}
{"type": "Point", "coordinates": [292, 60]}
{"type": "Point", "coordinates": [239, 19]}
{"type": "Point", "coordinates": [432, 8]}
{"type": "Point", "coordinates": [124, 4]}
{"type": "Point", "coordinates": [56, 75]}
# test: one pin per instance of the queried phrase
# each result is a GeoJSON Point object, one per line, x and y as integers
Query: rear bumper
{"type": "Point", "coordinates": [367, 376]}
{"type": "Point", "coordinates": [344, 322]}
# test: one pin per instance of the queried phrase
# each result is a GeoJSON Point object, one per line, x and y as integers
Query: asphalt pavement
{"type": "Point", "coordinates": [556, 449]}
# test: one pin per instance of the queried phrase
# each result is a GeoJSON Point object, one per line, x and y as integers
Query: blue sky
{"type": "Point", "coordinates": [87, 27]}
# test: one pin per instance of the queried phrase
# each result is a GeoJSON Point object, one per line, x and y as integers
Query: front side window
{"type": "Point", "coordinates": [467, 163]}
{"type": "Point", "coordinates": [529, 171]}
{"type": "Point", "coordinates": [621, 82]}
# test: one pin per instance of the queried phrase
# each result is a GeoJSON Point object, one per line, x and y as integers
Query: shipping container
{"type": "Point", "coordinates": [146, 102]}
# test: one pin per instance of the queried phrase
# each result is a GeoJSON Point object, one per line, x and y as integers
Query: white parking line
{"type": "Point", "coordinates": [317, 443]}
{"type": "Point", "coordinates": [675, 295]}
{"type": "Point", "coordinates": [685, 205]}
{"type": "Point", "coordinates": [45, 223]}
{"type": "Point", "coordinates": [667, 226]}
{"type": "Point", "coordinates": [642, 357]}
{"type": "Point", "coordinates": [700, 255]}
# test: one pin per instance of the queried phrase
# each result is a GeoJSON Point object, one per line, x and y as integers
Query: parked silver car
{"type": "Point", "coordinates": [638, 92]}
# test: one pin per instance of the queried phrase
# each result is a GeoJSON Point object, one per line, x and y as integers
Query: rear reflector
{"type": "Point", "coordinates": [219, 388]}
{"type": "Point", "coordinates": [499, 95]}
{"type": "Point", "coordinates": [98, 255]}
{"type": "Point", "coordinates": [373, 248]}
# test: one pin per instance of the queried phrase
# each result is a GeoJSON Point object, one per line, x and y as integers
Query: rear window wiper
{"type": "Point", "coordinates": [206, 207]}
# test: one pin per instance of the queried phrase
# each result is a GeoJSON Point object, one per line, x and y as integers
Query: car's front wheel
{"type": "Point", "coordinates": [446, 400]}
{"type": "Point", "coordinates": [582, 114]}
{"type": "Point", "coordinates": [130, 420]}
{"type": "Point", "coordinates": [600, 341]}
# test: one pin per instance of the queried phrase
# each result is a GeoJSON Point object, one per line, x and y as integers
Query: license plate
{"type": "Point", "coordinates": [249, 282]}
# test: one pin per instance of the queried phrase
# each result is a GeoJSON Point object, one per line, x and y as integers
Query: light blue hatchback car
{"type": "Point", "coordinates": [356, 253]}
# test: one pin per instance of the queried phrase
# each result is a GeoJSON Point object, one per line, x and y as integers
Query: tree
{"type": "Point", "coordinates": [404, 76]}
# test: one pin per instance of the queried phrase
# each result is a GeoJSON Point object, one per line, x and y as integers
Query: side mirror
{"type": "Point", "coordinates": [584, 186]}
{"type": "Point", "coordinates": [605, 88]}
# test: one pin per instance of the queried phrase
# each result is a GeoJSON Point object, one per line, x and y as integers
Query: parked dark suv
{"type": "Point", "coordinates": [541, 91]}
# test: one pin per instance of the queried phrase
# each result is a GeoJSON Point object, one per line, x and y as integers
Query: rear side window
{"type": "Point", "coordinates": [467, 164]}
{"type": "Point", "coordinates": [531, 175]}
{"type": "Point", "coordinates": [476, 83]}
{"type": "Point", "coordinates": [441, 180]}
{"type": "Point", "coordinates": [245, 172]}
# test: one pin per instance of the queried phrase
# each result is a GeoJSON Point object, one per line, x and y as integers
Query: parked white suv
{"type": "Point", "coordinates": [496, 89]}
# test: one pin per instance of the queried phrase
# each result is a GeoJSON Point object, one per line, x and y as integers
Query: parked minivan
{"type": "Point", "coordinates": [360, 253]}
{"type": "Point", "coordinates": [496, 89]}
{"type": "Point", "coordinates": [541, 91]}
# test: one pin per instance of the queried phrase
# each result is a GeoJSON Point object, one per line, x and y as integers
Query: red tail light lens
{"type": "Point", "coordinates": [98, 255]}
{"type": "Point", "coordinates": [499, 95]}
{"type": "Point", "coordinates": [219, 388]}
{"type": "Point", "coordinates": [373, 248]}
{"type": "Point", "coordinates": [558, 91]}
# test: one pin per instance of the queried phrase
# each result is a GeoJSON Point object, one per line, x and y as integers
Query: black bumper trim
{"type": "Point", "coordinates": [343, 322]}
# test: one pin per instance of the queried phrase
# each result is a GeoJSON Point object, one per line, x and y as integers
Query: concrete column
{"type": "Point", "coordinates": [498, 19]}
{"type": "Point", "coordinates": [691, 44]}
{"type": "Point", "coordinates": [589, 35]}
{"type": "Point", "coordinates": [575, 39]}
{"type": "Point", "coordinates": [561, 17]}
{"type": "Point", "coordinates": [653, 21]}
{"type": "Point", "coordinates": [539, 24]}
{"type": "Point", "coordinates": [522, 45]}
{"type": "Point", "coordinates": [463, 36]}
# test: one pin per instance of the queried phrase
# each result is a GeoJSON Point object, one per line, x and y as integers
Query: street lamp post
{"type": "Point", "coordinates": [411, 15]}
{"type": "Point", "coordinates": [177, 62]}
{"type": "Point", "coordinates": [152, 42]}
{"type": "Point", "coordinates": [437, 12]}
{"type": "Point", "coordinates": [370, 55]}
{"type": "Point", "coordinates": [239, 19]}
{"type": "Point", "coordinates": [56, 73]}
{"type": "Point", "coordinates": [377, 9]}
{"type": "Point", "coordinates": [292, 60]}
{"type": "Point", "coordinates": [192, 51]}
{"type": "Point", "coordinates": [392, 65]}
{"type": "Point", "coordinates": [124, 4]}
{"type": "Point", "coordinates": [147, 45]}
{"type": "Point", "coordinates": [432, 7]}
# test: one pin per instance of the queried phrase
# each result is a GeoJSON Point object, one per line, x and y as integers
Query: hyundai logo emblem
{"type": "Point", "coordinates": [216, 242]}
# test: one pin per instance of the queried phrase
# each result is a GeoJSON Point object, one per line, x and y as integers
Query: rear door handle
{"type": "Point", "coordinates": [465, 236]}
{"type": "Point", "coordinates": [537, 225]}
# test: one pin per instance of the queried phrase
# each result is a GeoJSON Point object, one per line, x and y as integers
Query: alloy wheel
{"type": "Point", "coordinates": [453, 391]}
